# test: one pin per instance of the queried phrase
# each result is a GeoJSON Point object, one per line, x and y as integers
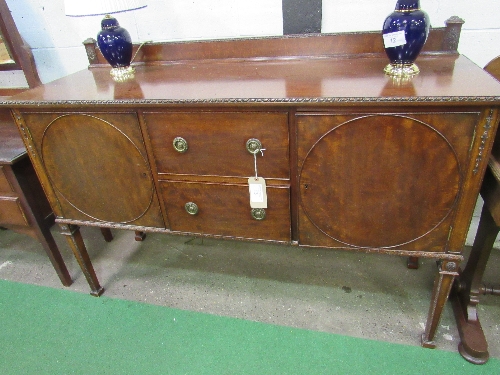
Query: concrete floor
{"type": "Point", "coordinates": [355, 294]}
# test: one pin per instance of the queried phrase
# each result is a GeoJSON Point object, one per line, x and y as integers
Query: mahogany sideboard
{"type": "Point", "coordinates": [352, 159]}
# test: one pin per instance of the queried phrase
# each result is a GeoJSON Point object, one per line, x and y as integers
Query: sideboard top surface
{"type": "Point", "coordinates": [450, 78]}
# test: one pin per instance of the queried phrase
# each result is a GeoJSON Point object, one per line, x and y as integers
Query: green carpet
{"type": "Point", "coordinates": [51, 331]}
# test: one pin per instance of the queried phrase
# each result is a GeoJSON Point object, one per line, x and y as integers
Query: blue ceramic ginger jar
{"type": "Point", "coordinates": [405, 32]}
{"type": "Point", "coordinates": [115, 43]}
{"type": "Point", "coordinates": [116, 46]}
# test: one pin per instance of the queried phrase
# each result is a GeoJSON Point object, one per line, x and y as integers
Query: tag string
{"type": "Point", "coordinates": [255, 161]}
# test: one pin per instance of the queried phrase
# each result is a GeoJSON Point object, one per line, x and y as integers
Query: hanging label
{"type": "Point", "coordinates": [394, 39]}
{"type": "Point", "coordinates": [258, 195]}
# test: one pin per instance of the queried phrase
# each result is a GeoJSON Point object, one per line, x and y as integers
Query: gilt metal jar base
{"type": "Point", "coordinates": [122, 74]}
{"type": "Point", "coordinates": [401, 70]}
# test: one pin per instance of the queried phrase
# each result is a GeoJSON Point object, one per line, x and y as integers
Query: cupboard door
{"type": "Point", "coordinates": [382, 180]}
{"type": "Point", "coordinates": [97, 166]}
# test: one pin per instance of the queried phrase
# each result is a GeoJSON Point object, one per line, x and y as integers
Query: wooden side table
{"type": "Point", "coordinates": [469, 285]}
{"type": "Point", "coordinates": [23, 205]}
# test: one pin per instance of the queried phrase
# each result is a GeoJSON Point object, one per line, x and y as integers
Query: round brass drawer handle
{"type": "Point", "coordinates": [258, 213]}
{"type": "Point", "coordinates": [253, 145]}
{"type": "Point", "coordinates": [180, 144]}
{"type": "Point", "coordinates": [191, 208]}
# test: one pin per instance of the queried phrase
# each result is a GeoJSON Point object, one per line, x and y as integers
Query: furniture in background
{"type": "Point", "coordinates": [352, 159]}
{"type": "Point", "coordinates": [24, 207]}
{"type": "Point", "coordinates": [469, 284]}
{"type": "Point", "coordinates": [16, 53]}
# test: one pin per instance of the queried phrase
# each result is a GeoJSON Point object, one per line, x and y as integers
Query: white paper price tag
{"type": "Point", "coordinates": [258, 195]}
{"type": "Point", "coordinates": [394, 39]}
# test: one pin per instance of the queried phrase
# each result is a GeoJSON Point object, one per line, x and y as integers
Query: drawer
{"type": "Point", "coordinates": [216, 143]}
{"type": "Point", "coordinates": [5, 186]}
{"type": "Point", "coordinates": [11, 212]}
{"type": "Point", "coordinates": [224, 209]}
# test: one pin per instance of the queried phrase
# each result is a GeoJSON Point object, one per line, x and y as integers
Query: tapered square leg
{"type": "Point", "coordinates": [440, 293]}
{"type": "Point", "coordinates": [75, 241]}
{"type": "Point", "coordinates": [106, 233]}
{"type": "Point", "coordinates": [140, 236]}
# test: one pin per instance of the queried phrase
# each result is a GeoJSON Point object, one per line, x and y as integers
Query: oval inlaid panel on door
{"type": "Point", "coordinates": [97, 168]}
{"type": "Point", "coordinates": [354, 183]}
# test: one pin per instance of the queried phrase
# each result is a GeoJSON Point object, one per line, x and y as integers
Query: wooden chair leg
{"type": "Point", "coordinates": [468, 287]}
{"type": "Point", "coordinates": [49, 245]}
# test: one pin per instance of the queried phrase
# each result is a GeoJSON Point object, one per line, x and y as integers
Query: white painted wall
{"type": "Point", "coordinates": [480, 39]}
{"type": "Point", "coordinates": [56, 40]}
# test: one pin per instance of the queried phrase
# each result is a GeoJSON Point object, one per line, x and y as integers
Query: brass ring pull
{"type": "Point", "coordinates": [191, 208]}
{"type": "Point", "coordinates": [253, 145]}
{"type": "Point", "coordinates": [180, 145]}
{"type": "Point", "coordinates": [258, 213]}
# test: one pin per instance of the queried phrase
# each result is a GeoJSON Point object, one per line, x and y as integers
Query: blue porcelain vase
{"type": "Point", "coordinates": [405, 32]}
{"type": "Point", "coordinates": [116, 46]}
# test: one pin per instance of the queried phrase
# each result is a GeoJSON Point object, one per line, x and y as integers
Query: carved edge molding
{"type": "Point", "coordinates": [449, 256]}
{"type": "Point", "coordinates": [424, 99]}
{"type": "Point", "coordinates": [484, 138]}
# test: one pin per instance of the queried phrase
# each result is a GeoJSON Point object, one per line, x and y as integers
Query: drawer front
{"type": "Point", "coordinates": [216, 143]}
{"type": "Point", "coordinates": [11, 212]}
{"type": "Point", "coordinates": [224, 209]}
{"type": "Point", "coordinates": [5, 187]}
